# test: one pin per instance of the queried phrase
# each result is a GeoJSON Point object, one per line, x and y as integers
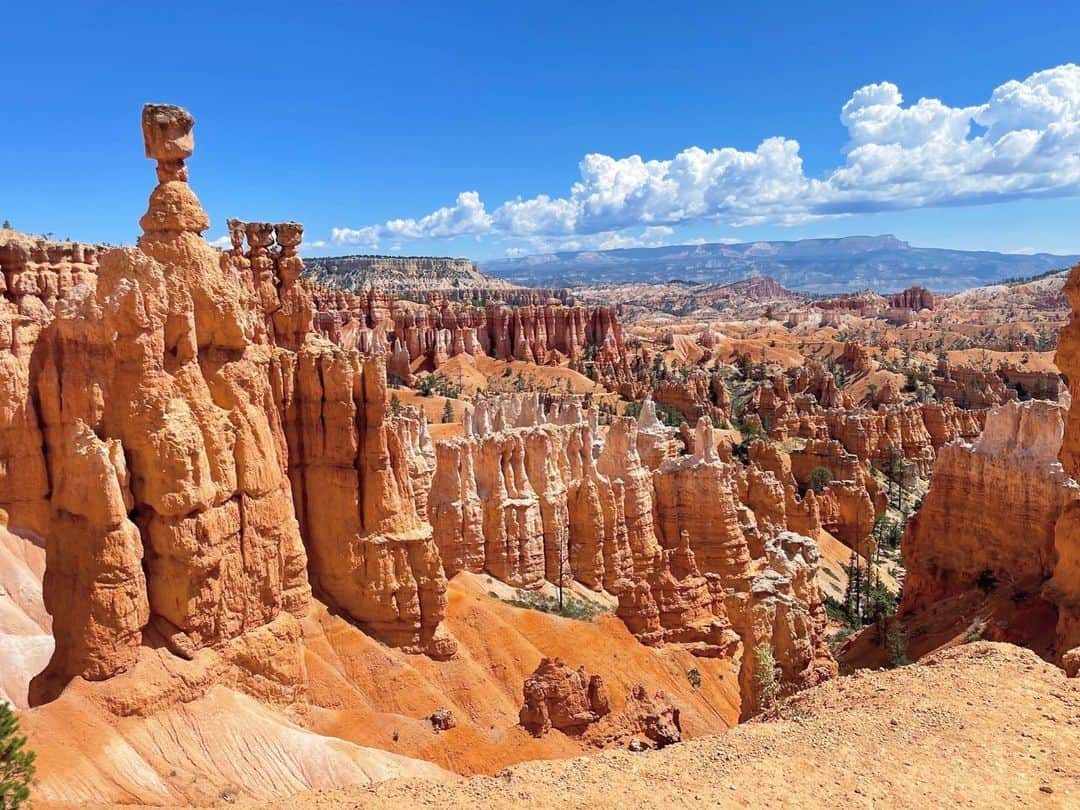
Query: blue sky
{"type": "Point", "coordinates": [361, 120]}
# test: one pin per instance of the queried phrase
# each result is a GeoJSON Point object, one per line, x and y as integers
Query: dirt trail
{"type": "Point", "coordinates": [983, 725]}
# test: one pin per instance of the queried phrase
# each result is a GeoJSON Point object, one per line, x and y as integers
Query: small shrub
{"type": "Point", "coordinates": [768, 687]}
{"type": "Point", "coordinates": [694, 677]}
{"type": "Point", "coordinates": [572, 608]}
{"type": "Point", "coordinates": [986, 580]}
{"type": "Point", "coordinates": [818, 479]}
{"type": "Point", "coordinates": [975, 630]}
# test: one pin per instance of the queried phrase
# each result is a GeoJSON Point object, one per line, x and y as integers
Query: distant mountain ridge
{"type": "Point", "coordinates": [844, 264]}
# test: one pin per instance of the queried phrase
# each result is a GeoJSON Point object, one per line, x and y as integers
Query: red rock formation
{"type": "Point", "coordinates": [656, 442]}
{"type": "Point", "coordinates": [590, 338]}
{"type": "Point", "coordinates": [865, 304]}
{"type": "Point", "coordinates": [969, 386]}
{"type": "Point", "coordinates": [371, 554]}
{"type": "Point", "coordinates": [676, 604]}
{"type": "Point", "coordinates": [848, 512]}
{"type": "Point", "coordinates": [946, 422]}
{"type": "Point", "coordinates": [35, 277]}
{"type": "Point", "coordinates": [786, 612]}
{"type": "Point", "coordinates": [575, 703]}
{"type": "Point", "coordinates": [827, 453]}
{"type": "Point", "coordinates": [1028, 383]}
{"type": "Point", "coordinates": [187, 417]}
{"type": "Point", "coordinates": [914, 298]}
{"type": "Point", "coordinates": [855, 359]}
{"type": "Point", "coordinates": [559, 697]}
{"type": "Point", "coordinates": [643, 715]}
{"type": "Point", "coordinates": [873, 435]}
{"type": "Point", "coordinates": [696, 495]}
{"type": "Point", "coordinates": [699, 394]}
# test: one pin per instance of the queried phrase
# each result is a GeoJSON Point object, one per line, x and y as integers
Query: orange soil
{"type": "Point", "coordinates": [499, 646]}
{"type": "Point", "coordinates": [363, 697]}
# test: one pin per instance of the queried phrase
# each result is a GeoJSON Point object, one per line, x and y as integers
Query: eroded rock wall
{"type": "Point", "coordinates": [1064, 586]}
{"type": "Point", "coordinates": [989, 516]}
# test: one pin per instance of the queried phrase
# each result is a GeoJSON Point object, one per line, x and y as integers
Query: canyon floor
{"type": "Point", "coordinates": [980, 725]}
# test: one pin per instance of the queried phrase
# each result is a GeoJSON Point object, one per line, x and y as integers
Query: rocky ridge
{"type": "Point", "coordinates": [402, 273]}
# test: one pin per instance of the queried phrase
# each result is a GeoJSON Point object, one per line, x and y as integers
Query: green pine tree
{"type": "Point", "coordinates": [896, 644]}
{"type": "Point", "coordinates": [854, 592]}
{"type": "Point", "coordinates": [448, 413]}
{"type": "Point", "coordinates": [16, 762]}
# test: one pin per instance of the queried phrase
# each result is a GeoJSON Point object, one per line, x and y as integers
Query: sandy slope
{"type": "Point", "coordinates": [983, 725]}
{"type": "Point", "coordinates": [366, 714]}
{"type": "Point", "coordinates": [221, 745]}
{"type": "Point", "coordinates": [25, 628]}
{"type": "Point", "coordinates": [375, 696]}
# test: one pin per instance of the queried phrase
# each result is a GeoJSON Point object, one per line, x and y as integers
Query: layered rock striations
{"type": "Point", "coordinates": [36, 276]}
{"type": "Point", "coordinates": [371, 553]}
{"type": "Point", "coordinates": [203, 439]}
{"type": "Point", "coordinates": [915, 298]}
{"type": "Point", "coordinates": [562, 698]}
{"type": "Point", "coordinates": [969, 386]}
{"type": "Point", "coordinates": [170, 508]}
{"type": "Point", "coordinates": [989, 518]}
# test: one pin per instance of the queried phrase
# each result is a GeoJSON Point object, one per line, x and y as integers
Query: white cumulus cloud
{"type": "Point", "coordinates": [1026, 143]}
